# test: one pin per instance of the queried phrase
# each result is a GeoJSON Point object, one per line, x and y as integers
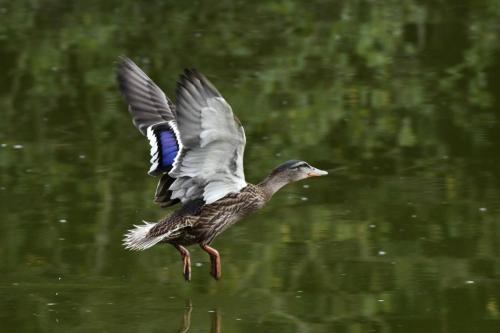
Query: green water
{"type": "Point", "coordinates": [400, 98]}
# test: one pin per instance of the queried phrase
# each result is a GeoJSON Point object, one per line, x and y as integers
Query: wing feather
{"type": "Point", "coordinates": [148, 104]}
{"type": "Point", "coordinates": [210, 163]}
{"type": "Point", "coordinates": [153, 114]}
{"type": "Point", "coordinates": [197, 146]}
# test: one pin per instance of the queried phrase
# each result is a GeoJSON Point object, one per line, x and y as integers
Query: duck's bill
{"type": "Point", "coordinates": [317, 172]}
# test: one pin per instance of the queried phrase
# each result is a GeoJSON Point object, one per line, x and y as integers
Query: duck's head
{"type": "Point", "coordinates": [295, 170]}
{"type": "Point", "coordinates": [290, 171]}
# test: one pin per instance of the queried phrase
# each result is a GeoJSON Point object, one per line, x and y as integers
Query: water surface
{"type": "Point", "coordinates": [400, 99]}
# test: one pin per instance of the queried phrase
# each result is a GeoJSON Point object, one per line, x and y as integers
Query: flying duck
{"type": "Point", "coordinates": [197, 147]}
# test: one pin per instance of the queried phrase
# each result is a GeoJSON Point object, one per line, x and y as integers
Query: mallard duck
{"type": "Point", "coordinates": [197, 149]}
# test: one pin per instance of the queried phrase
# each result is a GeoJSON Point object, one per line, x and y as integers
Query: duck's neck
{"type": "Point", "coordinates": [272, 183]}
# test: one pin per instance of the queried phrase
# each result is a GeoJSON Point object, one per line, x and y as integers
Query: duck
{"type": "Point", "coordinates": [197, 146]}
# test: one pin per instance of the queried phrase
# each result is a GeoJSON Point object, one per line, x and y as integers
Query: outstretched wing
{"type": "Point", "coordinates": [154, 116]}
{"type": "Point", "coordinates": [210, 162]}
{"type": "Point", "coordinates": [148, 105]}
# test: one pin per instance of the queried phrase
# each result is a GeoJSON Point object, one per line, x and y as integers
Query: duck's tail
{"type": "Point", "coordinates": [138, 238]}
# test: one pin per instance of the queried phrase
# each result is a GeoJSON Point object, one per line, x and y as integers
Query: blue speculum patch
{"type": "Point", "coordinates": [169, 147]}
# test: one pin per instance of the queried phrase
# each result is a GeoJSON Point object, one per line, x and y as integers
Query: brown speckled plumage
{"type": "Point", "coordinates": [203, 223]}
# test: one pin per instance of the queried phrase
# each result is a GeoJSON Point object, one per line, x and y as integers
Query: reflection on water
{"type": "Point", "coordinates": [216, 322]}
{"type": "Point", "coordinates": [403, 96]}
{"type": "Point", "coordinates": [186, 318]}
{"type": "Point", "coordinates": [215, 319]}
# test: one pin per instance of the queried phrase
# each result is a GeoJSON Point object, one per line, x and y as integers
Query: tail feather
{"type": "Point", "coordinates": [137, 239]}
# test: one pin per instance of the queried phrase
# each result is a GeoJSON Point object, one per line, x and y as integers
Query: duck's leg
{"type": "Point", "coordinates": [186, 260]}
{"type": "Point", "coordinates": [214, 260]}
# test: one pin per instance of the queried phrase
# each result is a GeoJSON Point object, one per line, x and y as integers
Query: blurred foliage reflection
{"type": "Point", "coordinates": [405, 237]}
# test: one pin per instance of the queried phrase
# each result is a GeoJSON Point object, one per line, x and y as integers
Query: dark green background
{"type": "Point", "coordinates": [403, 96]}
